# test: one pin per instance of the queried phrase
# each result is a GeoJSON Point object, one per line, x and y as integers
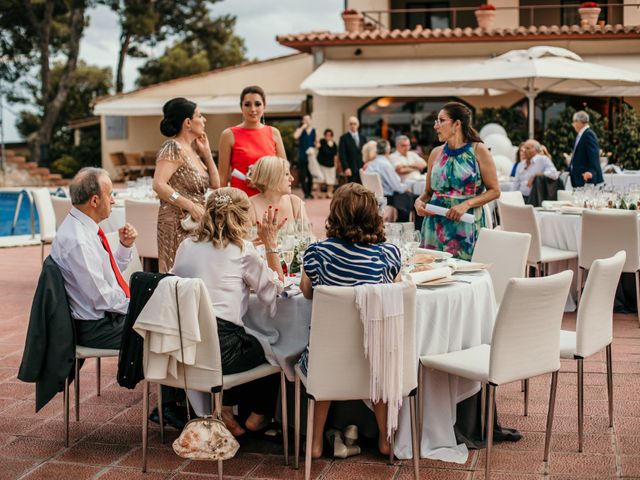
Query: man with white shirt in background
{"type": "Point", "coordinates": [533, 165]}
{"type": "Point", "coordinates": [98, 294]}
{"type": "Point", "coordinates": [397, 193]}
{"type": "Point", "coordinates": [408, 164]}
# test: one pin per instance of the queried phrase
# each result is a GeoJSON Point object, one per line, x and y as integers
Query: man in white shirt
{"type": "Point", "coordinates": [408, 164]}
{"type": "Point", "coordinates": [98, 295]}
{"type": "Point", "coordinates": [535, 164]}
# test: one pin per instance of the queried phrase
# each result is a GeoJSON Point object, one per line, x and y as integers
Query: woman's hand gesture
{"type": "Point", "coordinates": [202, 144]}
{"type": "Point", "coordinates": [455, 213]}
{"type": "Point", "coordinates": [269, 227]}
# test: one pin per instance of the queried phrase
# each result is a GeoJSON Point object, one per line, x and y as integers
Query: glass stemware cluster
{"type": "Point", "coordinates": [293, 240]}
{"type": "Point", "coordinates": [405, 237]}
{"type": "Point", "coordinates": [607, 196]}
{"type": "Point", "coordinates": [141, 188]}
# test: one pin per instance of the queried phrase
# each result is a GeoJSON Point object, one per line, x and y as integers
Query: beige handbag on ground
{"type": "Point", "coordinates": [205, 438]}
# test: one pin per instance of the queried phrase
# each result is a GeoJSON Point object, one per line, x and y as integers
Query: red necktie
{"type": "Point", "coordinates": [114, 266]}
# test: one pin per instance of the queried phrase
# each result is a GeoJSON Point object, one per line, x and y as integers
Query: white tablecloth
{"type": "Point", "coordinates": [621, 179]}
{"type": "Point", "coordinates": [448, 318]}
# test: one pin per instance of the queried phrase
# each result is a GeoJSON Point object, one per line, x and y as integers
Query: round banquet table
{"type": "Point", "coordinates": [448, 318]}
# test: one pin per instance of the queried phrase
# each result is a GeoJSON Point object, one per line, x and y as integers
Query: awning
{"type": "Point", "coordinates": [276, 103]}
{"type": "Point", "coordinates": [625, 62]}
{"type": "Point", "coordinates": [385, 77]}
{"type": "Point", "coordinates": [141, 107]}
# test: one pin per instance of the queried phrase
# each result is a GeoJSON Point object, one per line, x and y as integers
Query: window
{"type": "Point", "coordinates": [418, 16]}
{"type": "Point", "coordinates": [116, 128]}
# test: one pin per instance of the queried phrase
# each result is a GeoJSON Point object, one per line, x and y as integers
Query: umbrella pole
{"type": "Point", "coordinates": [531, 96]}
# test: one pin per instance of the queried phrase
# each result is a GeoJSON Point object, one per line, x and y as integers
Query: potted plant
{"type": "Point", "coordinates": [589, 12]}
{"type": "Point", "coordinates": [486, 16]}
{"type": "Point", "coordinates": [353, 20]}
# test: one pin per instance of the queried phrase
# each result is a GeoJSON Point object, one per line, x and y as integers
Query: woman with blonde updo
{"type": "Point", "coordinates": [229, 266]}
{"type": "Point", "coordinates": [271, 176]}
{"type": "Point", "coordinates": [368, 153]}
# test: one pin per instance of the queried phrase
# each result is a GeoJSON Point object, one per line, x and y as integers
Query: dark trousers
{"type": "Point", "coordinates": [103, 333]}
{"type": "Point", "coordinates": [306, 180]}
{"type": "Point", "coordinates": [241, 352]}
{"type": "Point", "coordinates": [403, 203]}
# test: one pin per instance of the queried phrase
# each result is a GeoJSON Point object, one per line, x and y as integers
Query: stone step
{"type": "Point", "coordinates": [28, 166]}
{"type": "Point", "coordinates": [55, 176]}
{"type": "Point", "coordinates": [60, 182]}
{"type": "Point", "coordinates": [16, 160]}
{"type": "Point", "coordinates": [42, 171]}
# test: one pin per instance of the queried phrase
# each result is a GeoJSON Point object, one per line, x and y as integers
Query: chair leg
{"type": "Point", "coordinates": [526, 397]}
{"type": "Point", "coordinates": [285, 423]}
{"type": "Point", "coordinates": [638, 294]}
{"type": "Point", "coordinates": [392, 446]}
{"type": "Point", "coordinates": [483, 409]}
{"type": "Point", "coordinates": [610, 384]}
{"type": "Point", "coordinates": [145, 423]}
{"type": "Point", "coordinates": [76, 389]}
{"type": "Point", "coordinates": [415, 443]}
{"type": "Point", "coordinates": [98, 375]}
{"type": "Point", "coordinates": [522, 386]}
{"type": "Point", "coordinates": [552, 406]}
{"type": "Point", "coordinates": [161, 414]}
{"type": "Point", "coordinates": [65, 401]}
{"type": "Point", "coordinates": [580, 403]}
{"type": "Point", "coordinates": [420, 398]}
{"type": "Point", "coordinates": [579, 284]}
{"type": "Point", "coordinates": [491, 391]}
{"type": "Point", "coordinates": [296, 423]}
{"type": "Point", "coordinates": [307, 454]}
{"type": "Point", "coordinates": [217, 401]}
{"type": "Point", "coordinates": [41, 252]}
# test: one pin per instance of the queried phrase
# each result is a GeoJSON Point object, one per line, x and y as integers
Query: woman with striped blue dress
{"type": "Point", "coordinates": [354, 253]}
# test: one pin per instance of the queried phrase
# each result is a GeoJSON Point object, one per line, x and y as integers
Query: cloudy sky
{"type": "Point", "coordinates": [258, 22]}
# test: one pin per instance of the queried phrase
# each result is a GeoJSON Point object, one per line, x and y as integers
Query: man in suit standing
{"type": "Point", "coordinates": [350, 151]}
{"type": "Point", "coordinates": [585, 158]}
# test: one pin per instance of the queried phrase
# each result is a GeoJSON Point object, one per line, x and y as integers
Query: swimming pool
{"type": "Point", "coordinates": [8, 201]}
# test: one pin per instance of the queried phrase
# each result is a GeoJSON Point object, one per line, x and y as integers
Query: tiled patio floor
{"type": "Point", "coordinates": [105, 443]}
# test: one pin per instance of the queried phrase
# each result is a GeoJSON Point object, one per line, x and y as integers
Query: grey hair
{"type": "Point", "coordinates": [581, 116]}
{"type": "Point", "coordinates": [382, 147]}
{"type": "Point", "coordinates": [86, 184]}
{"type": "Point", "coordinates": [536, 144]}
{"type": "Point", "coordinates": [402, 138]}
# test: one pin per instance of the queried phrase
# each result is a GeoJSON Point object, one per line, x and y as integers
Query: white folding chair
{"type": "Point", "coordinates": [46, 217]}
{"type": "Point", "coordinates": [594, 327]}
{"type": "Point", "coordinates": [61, 207]}
{"type": "Point", "coordinates": [525, 344]}
{"type": "Point", "coordinates": [336, 341]}
{"type": "Point", "coordinates": [371, 181]}
{"type": "Point", "coordinates": [604, 234]}
{"type": "Point", "coordinates": [209, 380]}
{"type": "Point", "coordinates": [143, 215]}
{"type": "Point", "coordinates": [134, 265]}
{"type": "Point", "coordinates": [512, 198]}
{"type": "Point", "coordinates": [506, 252]}
{"type": "Point", "coordinates": [523, 219]}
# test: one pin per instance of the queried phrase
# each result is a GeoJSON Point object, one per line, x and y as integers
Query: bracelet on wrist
{"type": "Point", "coordinates": [272, 250]}
{"type": "Point", "coordinates": [174, 196]}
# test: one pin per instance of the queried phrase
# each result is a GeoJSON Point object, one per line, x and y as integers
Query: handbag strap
{"type": "Point", "coordinates": [184, 367]}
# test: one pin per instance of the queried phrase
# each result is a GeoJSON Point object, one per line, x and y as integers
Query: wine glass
{"type": "Point", "coordinates": [288, 251]}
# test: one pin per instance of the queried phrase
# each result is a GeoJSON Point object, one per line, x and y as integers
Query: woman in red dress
{"type": "Point", "coordinates": [243, 145]}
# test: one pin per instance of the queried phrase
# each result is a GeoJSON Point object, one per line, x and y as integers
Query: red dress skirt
{"type": "Point", "coordinates": [249, 145]}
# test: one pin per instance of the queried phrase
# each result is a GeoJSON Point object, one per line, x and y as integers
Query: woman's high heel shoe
{"type": "Point", "coordinates": [340, 450]}
{"type": "Point", "coordinates": [350, 434]}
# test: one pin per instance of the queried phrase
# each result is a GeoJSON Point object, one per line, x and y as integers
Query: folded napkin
{"type": "Point", "coordinates": [428, 275]}
{"type": "Point", "coordinates": [291, 291]}
{"type": "Point", "coordinates": [552, 204]}
{"type": "Point", "coordinates": [435, 253]}
{"type": "Point", "coordinates": [462, 266]}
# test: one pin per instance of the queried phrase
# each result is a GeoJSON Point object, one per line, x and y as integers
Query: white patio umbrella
{"type": "Point", "coordinates": [531, 72]}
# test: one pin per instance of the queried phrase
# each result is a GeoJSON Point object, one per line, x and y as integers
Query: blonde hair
{"type": "Point", "coordinates": [369, 151]}
{"type": "Point", "coordinates": [226, 219]}
{"type": "Point", "coordinates": [267, 173]}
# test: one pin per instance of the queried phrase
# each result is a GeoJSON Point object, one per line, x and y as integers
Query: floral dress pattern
{"type": "Point", "coordinates": [455, 177]}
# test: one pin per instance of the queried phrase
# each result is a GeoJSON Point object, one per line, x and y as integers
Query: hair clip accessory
{"type": "Point", "coordinates": [222, 200]}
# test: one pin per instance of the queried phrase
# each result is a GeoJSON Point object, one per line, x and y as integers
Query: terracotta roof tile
{"type": "Point", "coordinates": [304, 41]}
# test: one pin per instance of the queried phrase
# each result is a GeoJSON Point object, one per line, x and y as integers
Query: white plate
{"type": "Point", "coordinates": [435, 253]}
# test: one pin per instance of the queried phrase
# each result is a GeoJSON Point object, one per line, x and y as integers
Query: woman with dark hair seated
{"type": "Point", "coordinates": [354, 253]}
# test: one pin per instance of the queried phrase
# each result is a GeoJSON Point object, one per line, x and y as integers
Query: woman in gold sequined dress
{"type": "Point", "coordinates": [184, 170]}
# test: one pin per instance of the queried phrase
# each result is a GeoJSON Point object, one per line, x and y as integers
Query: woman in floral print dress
{"type": "Point", "coordinates": [462, 178]}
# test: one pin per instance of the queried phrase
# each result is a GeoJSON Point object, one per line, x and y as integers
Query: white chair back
{"type": "Point", "coordinates": [488, 215]}
{"type": "Point", "coordinates": [61, 207]}
{"type": "Point", "coordinates": [594, 324]}
{"type": "Point", "coordinates": [516, 218]}
{"type": "Point", "coordinates": [143, 215]}
{"type": "Point", "coordinates": [134, 265]}
{"type": "Point", "coordinates": [565, 195]}
{"type": "Point", "coordinates": [46, 214]}
{"type": "Point", "coordinates": [512, 198]}
{"type": "Point", "coordinates": [506, 252]}
{"type": "Point", "coordinates": [338, 369]}
{"type": "Point", "coordinates": [526, 336]}
{"type": "Point", "coordinates": [372, 182]}
{"type": "Point", "coordinates": [605, 233]}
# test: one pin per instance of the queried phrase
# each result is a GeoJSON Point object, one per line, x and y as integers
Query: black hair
{"type": "Point", "coordinates": [176, 111]}
{"type": "Point", "coordinates": [328, 130]}
{"type": "Point", "coordinates": [253, 89]}
{"type": "Point", "coordinates": [458, 111]}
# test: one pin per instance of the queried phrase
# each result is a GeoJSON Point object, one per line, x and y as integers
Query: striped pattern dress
{"type": "Point", "coordinates": [334, 262]}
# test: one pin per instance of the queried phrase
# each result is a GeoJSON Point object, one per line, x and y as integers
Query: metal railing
{"type": "Point", "coordinates": [375, 17]}
{"type": "Point", "coordinates": [16, 213]}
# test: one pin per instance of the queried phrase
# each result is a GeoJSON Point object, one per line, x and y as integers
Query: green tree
{"type": "Point", "coordinates": [33, 33]}
{"type": "Point", "coordinates": [625, 145]}
{"type": "Point", "coordinates": [206, 43]}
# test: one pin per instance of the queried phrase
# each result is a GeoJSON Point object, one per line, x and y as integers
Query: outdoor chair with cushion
{"type": "Point", "coordinates": [143, 215]}
{"type": "Point", "coordinates": [371, 181]}
{"type": "Point", "coordinates": [61, 207]}
{"type": "Point", "coordinates": [46, 217]}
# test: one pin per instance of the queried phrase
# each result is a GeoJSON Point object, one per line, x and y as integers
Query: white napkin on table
{"type": "Point", "coordinates": [428, 275]}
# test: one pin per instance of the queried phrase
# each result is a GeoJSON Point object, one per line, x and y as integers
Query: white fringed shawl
{"type": "Point", "coordinates": [382, 314]}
